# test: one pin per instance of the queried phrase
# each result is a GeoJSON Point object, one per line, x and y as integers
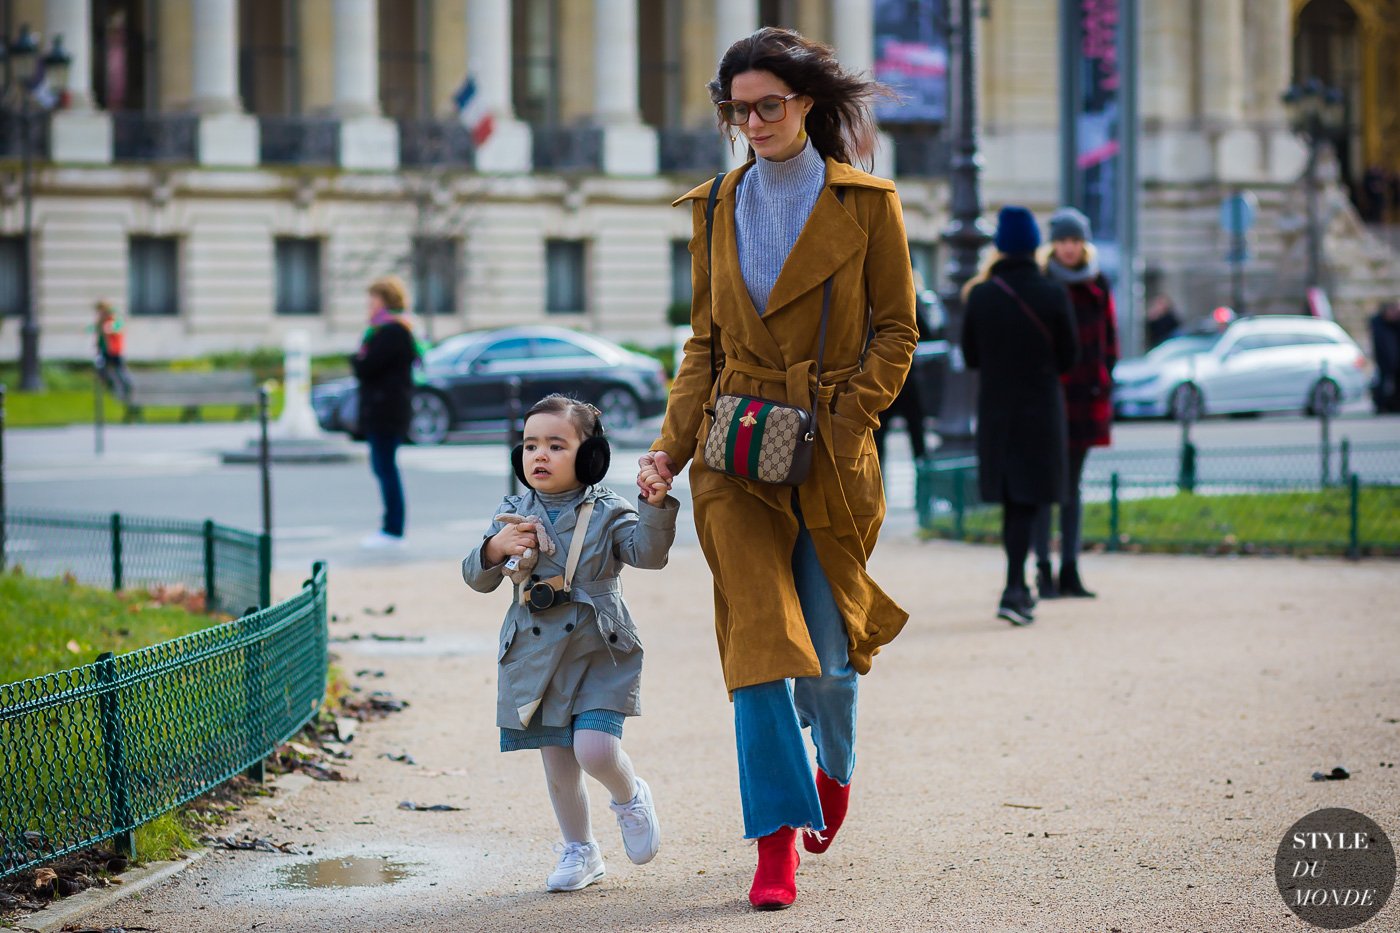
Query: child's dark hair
{"type": "Point", "coordinates": [586, 419]}
{"type": "Point", "coordinates": [840, 123]}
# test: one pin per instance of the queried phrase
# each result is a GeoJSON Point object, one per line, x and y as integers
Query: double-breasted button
{"type": "Point", "coordinates": [569, 627]}
{"type": "Point", "coordinates": [536, 630]}
{"type": "Point", "coordinates": [613, 637]}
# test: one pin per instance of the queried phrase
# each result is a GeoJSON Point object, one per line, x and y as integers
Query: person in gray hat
{"type": "Point", "coordinates": [1071, 260]}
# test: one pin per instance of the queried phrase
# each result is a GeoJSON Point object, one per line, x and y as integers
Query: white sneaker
{"type": "Point", "coordinates": [580, 864]}
{"type": "Point", "coordinates": [379, 541]}
{"type": "Point", "coordinates": [641, 833]}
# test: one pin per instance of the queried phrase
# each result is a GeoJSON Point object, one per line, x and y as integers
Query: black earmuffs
{"type": "Point", "coordinates": [590, 466]}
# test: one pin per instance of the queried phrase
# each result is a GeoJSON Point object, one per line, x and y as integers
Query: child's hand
{"type": "Point", "coordinates": [653, 487]}
{"type": "Point", "coordinates": [511, 541]}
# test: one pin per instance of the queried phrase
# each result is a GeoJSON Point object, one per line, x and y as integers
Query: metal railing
{"type": "Point", "coordinates": [11, 126]}
{"type": "Point", "coordinates": [1341, 500]}
{"type": "Point", "coordinates": [567, 149]}
{"type": "Point", "coordinates": [155, 137]}
{"type": "Point", "coordinates": [232, 568]}
{"type": "Point", "coordinates": [425, 143]}
{"type": "Point", "coordinates": [286, 140]}
{"type": "Point", "coordinates": [690, 152]}
{"type": "Point", "coordinates": [920, 152]}
{"type": "Point", "coordinates": [91, 753]}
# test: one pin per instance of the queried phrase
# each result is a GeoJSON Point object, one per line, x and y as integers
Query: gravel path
{"type": "Point", "coordinates": [1125, 764]}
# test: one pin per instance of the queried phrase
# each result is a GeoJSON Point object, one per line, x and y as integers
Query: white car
{"type": "Point", "coordinates": [1269, 363]}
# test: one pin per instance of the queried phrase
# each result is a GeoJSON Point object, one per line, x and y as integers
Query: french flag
{"type": "Point", "coordinates": [472, 111]}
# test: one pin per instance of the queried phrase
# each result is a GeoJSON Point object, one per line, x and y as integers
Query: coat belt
{"type": "Point", "coordinates": [800, 378]}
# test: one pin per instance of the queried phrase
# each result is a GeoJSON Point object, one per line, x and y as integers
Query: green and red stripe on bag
{"type": "Point", "coordinates": [761, 440]}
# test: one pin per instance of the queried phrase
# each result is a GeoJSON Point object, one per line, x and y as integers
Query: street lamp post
{"type": "Point", "coordinates": [34, 84]}
{"type": "Point", "coordinates": [1317, 113]}
{"type": "Point", "coordinates": [965, 234]}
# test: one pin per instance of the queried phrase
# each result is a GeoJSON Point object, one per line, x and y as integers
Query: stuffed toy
{"type": "Point", "coordinates": [518, 569]}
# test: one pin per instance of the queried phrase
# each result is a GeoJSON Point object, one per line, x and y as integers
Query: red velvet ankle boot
{"type": "Point", "coordinates": [835, 799]}
{"type": "Point", "coordinates": [775, 881]}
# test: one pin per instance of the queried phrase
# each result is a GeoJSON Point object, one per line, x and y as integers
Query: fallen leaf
{"type": "Point", "coordinates": [410, 805]}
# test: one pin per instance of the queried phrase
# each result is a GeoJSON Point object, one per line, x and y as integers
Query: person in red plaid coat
{"type": "Point", "coordinates": [1072, 261]}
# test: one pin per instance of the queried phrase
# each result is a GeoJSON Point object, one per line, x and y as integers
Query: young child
{"type": "Point", "coordinates": [570, 660]}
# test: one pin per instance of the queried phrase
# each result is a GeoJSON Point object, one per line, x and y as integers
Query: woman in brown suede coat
{"type": "Point", "coordinates": [796, 614]}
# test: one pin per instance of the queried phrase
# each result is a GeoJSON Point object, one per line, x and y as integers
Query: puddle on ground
{"type": "Point", "coordinates": [343, 873]}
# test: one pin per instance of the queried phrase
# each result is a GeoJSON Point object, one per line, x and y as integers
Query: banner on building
{"type": "Point", "coordinates": [911, 56]}
{"type": "Point", "coordinates": [1099, 114]}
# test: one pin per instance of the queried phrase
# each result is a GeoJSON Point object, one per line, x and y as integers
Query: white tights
{"type": "Point", "coordinates": [601, 755]}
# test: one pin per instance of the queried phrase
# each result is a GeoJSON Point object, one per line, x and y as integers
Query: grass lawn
{"type": "Point", "coordinates": [67, 398]}
{"type": "Point", "coordinates": [51, 625]}
{"type": "Point", "coordinates": [1303, 521]}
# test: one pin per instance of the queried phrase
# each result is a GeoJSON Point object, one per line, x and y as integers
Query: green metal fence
{"type": "Point", "coordinates": [1243, 500]}
{"type": "Point", "coordinates": [91, 753]}
{"type": "Point", "coordinates": [233, 568]}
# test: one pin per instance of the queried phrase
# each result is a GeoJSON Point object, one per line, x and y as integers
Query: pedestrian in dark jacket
{"type": "Point", "coordinates": [384, 367]}
{"type": "Point", "coordinates": [1385, 348]}
{"type": "Point", "coordinates": [1019, 331]}
{"type": "Point", "coordinates": [1073, 262]}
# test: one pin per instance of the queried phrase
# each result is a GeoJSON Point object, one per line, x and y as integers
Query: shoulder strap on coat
{"type": "Point", "coordinates": [710, 268]}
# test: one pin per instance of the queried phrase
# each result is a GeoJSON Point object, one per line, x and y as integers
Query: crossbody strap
{"type": "Point", "coordinates": [1035, 319]}
{"type": "Point", "coordinates": [585, 512]}
{"type": "Point", "coordinates": [710, 271]}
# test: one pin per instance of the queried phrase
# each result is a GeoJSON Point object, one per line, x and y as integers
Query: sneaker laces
{"type": "Point", "coordinates": [571, 855]}
{"type": "Point", "coordinates": [632, 814]}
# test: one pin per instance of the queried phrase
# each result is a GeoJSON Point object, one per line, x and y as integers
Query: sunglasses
{"type": "Point", "coordinates": [770, 109]}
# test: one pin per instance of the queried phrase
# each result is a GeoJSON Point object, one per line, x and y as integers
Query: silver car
{"type": "Point", "coordinates": [1271, 363]}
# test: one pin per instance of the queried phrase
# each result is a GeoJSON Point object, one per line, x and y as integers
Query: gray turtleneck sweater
{"type": "Point", "coordinates": [775, 199]}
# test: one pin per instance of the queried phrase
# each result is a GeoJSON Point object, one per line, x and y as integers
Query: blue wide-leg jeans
{"type": "Point", "coordinates": [776, 783]}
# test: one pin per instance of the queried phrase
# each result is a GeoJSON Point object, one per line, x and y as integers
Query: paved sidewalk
{"type": "Point", "coordinates": [1125, 764]}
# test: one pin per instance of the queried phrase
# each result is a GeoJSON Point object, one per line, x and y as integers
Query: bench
{"type": "Point", "coordinates": [189, 391]}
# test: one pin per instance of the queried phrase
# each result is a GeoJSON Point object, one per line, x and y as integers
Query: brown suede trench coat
{"type": "Point", "coordinates": [747, 530]}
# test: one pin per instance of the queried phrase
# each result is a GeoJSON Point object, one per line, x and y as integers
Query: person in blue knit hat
{"type": "Point", "coordinates": [1018, 330]}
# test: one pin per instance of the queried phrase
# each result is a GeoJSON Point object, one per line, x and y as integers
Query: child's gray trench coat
{"type": "Point", "coordinates": [550, 665]}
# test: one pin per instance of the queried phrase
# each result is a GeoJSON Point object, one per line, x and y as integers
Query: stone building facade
{"type": "Point", "coordinates": [227, 170]}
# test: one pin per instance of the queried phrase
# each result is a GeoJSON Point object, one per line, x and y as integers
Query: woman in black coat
{"type": "Point", "coordinates": [1018, 329]}
{"type": "Point", "coordinates": [384, 368]}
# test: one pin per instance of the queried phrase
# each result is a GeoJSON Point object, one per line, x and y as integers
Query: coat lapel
{"type": "Point", "coordinates": [829, 238]}
{"type": "Point", "coordinates": [733, 308]}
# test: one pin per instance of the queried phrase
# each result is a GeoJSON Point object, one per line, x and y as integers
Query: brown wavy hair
{"type": "Point", "coordinates": [840, 122]}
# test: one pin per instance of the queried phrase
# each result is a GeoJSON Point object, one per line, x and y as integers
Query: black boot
{"type": "Point", "coordinates": [1045, 580]}
{"type": "Point", "coordinates": [1071, 585]}
{"type": "Point", "coordinates": [1016, 606]}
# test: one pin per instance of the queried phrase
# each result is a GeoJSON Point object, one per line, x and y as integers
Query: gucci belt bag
{"type": "Point", "coordinates": [757, 438]}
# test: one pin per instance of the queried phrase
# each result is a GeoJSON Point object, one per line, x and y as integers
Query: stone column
{"type": "Point", "coordinates": [227, 135]}
{"type": "Point", "coordinates": [1286, 156]}
{"type": "Point", "coordinates": [734, 19]}
{"type": "Point", "coordinates": [1221, 101]}
{"type": "Point", "coordinates": [367, 139]}
{"type": "Point", "coordinates": [79, 133]}
{"type": "Point", "coordinates": [853, 34]}
{"type": "Point", "coordinates": [629, 147]}
{"type": "Point", "coordinates": [508, 149]}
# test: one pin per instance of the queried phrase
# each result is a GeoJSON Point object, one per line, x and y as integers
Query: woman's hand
{"type": "Point", "coordinates": [511, 541]}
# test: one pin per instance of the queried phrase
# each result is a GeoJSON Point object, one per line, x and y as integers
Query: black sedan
{"type": "Point", "coordinates": [467, 382]}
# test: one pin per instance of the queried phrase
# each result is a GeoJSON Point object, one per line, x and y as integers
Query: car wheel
{"type": "Point", "coordinates": [431, 419]}
{"type": "Point", "coordinates": [620, 408]}
{"type": "Point", "coordinates": [1324, 398]}
{"type": "Point", "coordinates": [1185, 403]}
